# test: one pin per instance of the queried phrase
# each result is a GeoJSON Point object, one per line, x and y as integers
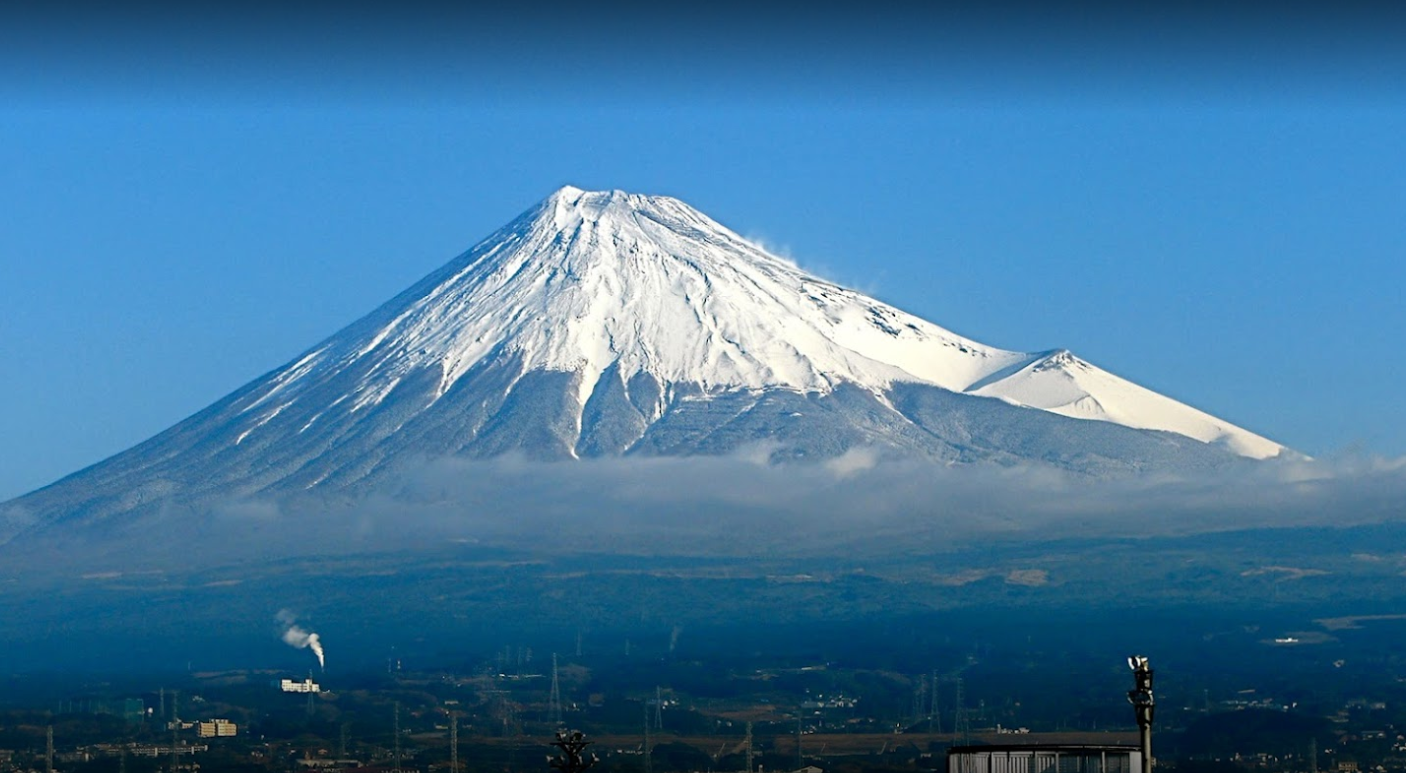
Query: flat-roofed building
{"type": "Point", "coordinates": [1045, 758]}
{"type": "Point", "coordinates": [307, 685]}
{"type": "Point", "coordinates": [218, 728]}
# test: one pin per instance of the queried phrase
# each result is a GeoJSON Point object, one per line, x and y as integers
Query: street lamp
{"type": "Point", "coordinates": [1143, 704]}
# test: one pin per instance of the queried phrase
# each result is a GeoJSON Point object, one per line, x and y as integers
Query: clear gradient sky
{"type": "Point", "coordinates": [1212, 206]}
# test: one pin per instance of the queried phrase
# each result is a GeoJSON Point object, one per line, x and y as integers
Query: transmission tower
{"type": "Point", "coordinates": [175, 728]}
{"type": "Point", "coordinates": [800, 758]}
{"type": "Point", "coordinates": [648, 758]}
{"type": "Point", "coordinates": [396, 730]}
{"type": "Point", "coordinates": [962, 729]}
{"type": "Point", "coordinates": [934, 720]}
{"type": "Point", "coordinates": [748, 744]}
{"type": "Point", "coordinates": [454, 743]}
{"type": "Point", "coordinates": [554, 706]}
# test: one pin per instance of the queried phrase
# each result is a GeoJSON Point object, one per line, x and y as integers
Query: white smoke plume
{"type": "Point", "coordinates": [295, 636]}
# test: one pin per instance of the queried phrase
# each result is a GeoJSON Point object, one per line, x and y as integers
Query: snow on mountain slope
{"type": "Point", "coordinates": [590, 280]}
{"type": "Point", "coordinates": [606, 324]}
{"type": "Point", "coordinates": [1061, 383]}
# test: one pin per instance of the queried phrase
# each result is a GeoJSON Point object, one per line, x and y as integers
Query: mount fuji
{"type": "Point", "coordinates": [602, 324]}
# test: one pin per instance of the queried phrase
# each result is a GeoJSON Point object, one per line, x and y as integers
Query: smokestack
{"type": "Point", "coordinates": [295, 636]}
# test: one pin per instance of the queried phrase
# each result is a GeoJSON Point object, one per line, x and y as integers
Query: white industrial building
{"type": "Point", "coordinates": [1044, 758]}
{"type": "Point", "coordinates": [307, 685]}
{"type": "Point", "coordinates": [218, 728]}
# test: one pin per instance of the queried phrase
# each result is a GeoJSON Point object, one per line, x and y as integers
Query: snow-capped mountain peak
{"type": "Point", "coordinates": [612, 323]}
{"type": "Point", "coordinates": [647, 284]}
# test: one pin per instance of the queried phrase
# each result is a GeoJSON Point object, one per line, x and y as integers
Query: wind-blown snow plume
{"type": "Point", "coordinates": [295, 636]}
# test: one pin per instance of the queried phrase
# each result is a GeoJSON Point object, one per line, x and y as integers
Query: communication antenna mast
{"type": "Point", "coordinates": [554, 705]}
{"type": "Point", "coordinates": [748, 743]}
{"type": "Point", "coordinates": [49, 749]}
{"type": "Point", "coordinates": [658, 708]}
{"type": "Point", "coordinates": [342, 741]}
{"type": "Point", "coordinates": [573, 757]}
{"type": "Point", "coordinates": [1143, 705]}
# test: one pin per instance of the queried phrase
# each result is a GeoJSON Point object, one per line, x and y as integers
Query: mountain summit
{"type": "Point", "coordinates": [610, 323]}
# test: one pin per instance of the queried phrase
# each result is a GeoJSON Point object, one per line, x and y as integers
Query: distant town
{"type": "Point", "coordinates": [653, 714]}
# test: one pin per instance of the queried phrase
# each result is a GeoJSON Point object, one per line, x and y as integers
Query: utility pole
{"type": "Point", "coordinates": [1143, 705]}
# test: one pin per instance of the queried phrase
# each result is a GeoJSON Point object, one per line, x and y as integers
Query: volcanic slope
{"type": "Point", "coordinates": [609, 323]}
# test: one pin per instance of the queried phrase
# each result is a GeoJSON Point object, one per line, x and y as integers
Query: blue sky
{"type": "Point", "coordinates": [1211, 207]}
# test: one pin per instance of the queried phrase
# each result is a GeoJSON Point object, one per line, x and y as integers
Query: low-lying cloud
{"type": "Point", "coordinates": [859, 503]}
{"type": "Point", "coordinates": [742, 504]}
